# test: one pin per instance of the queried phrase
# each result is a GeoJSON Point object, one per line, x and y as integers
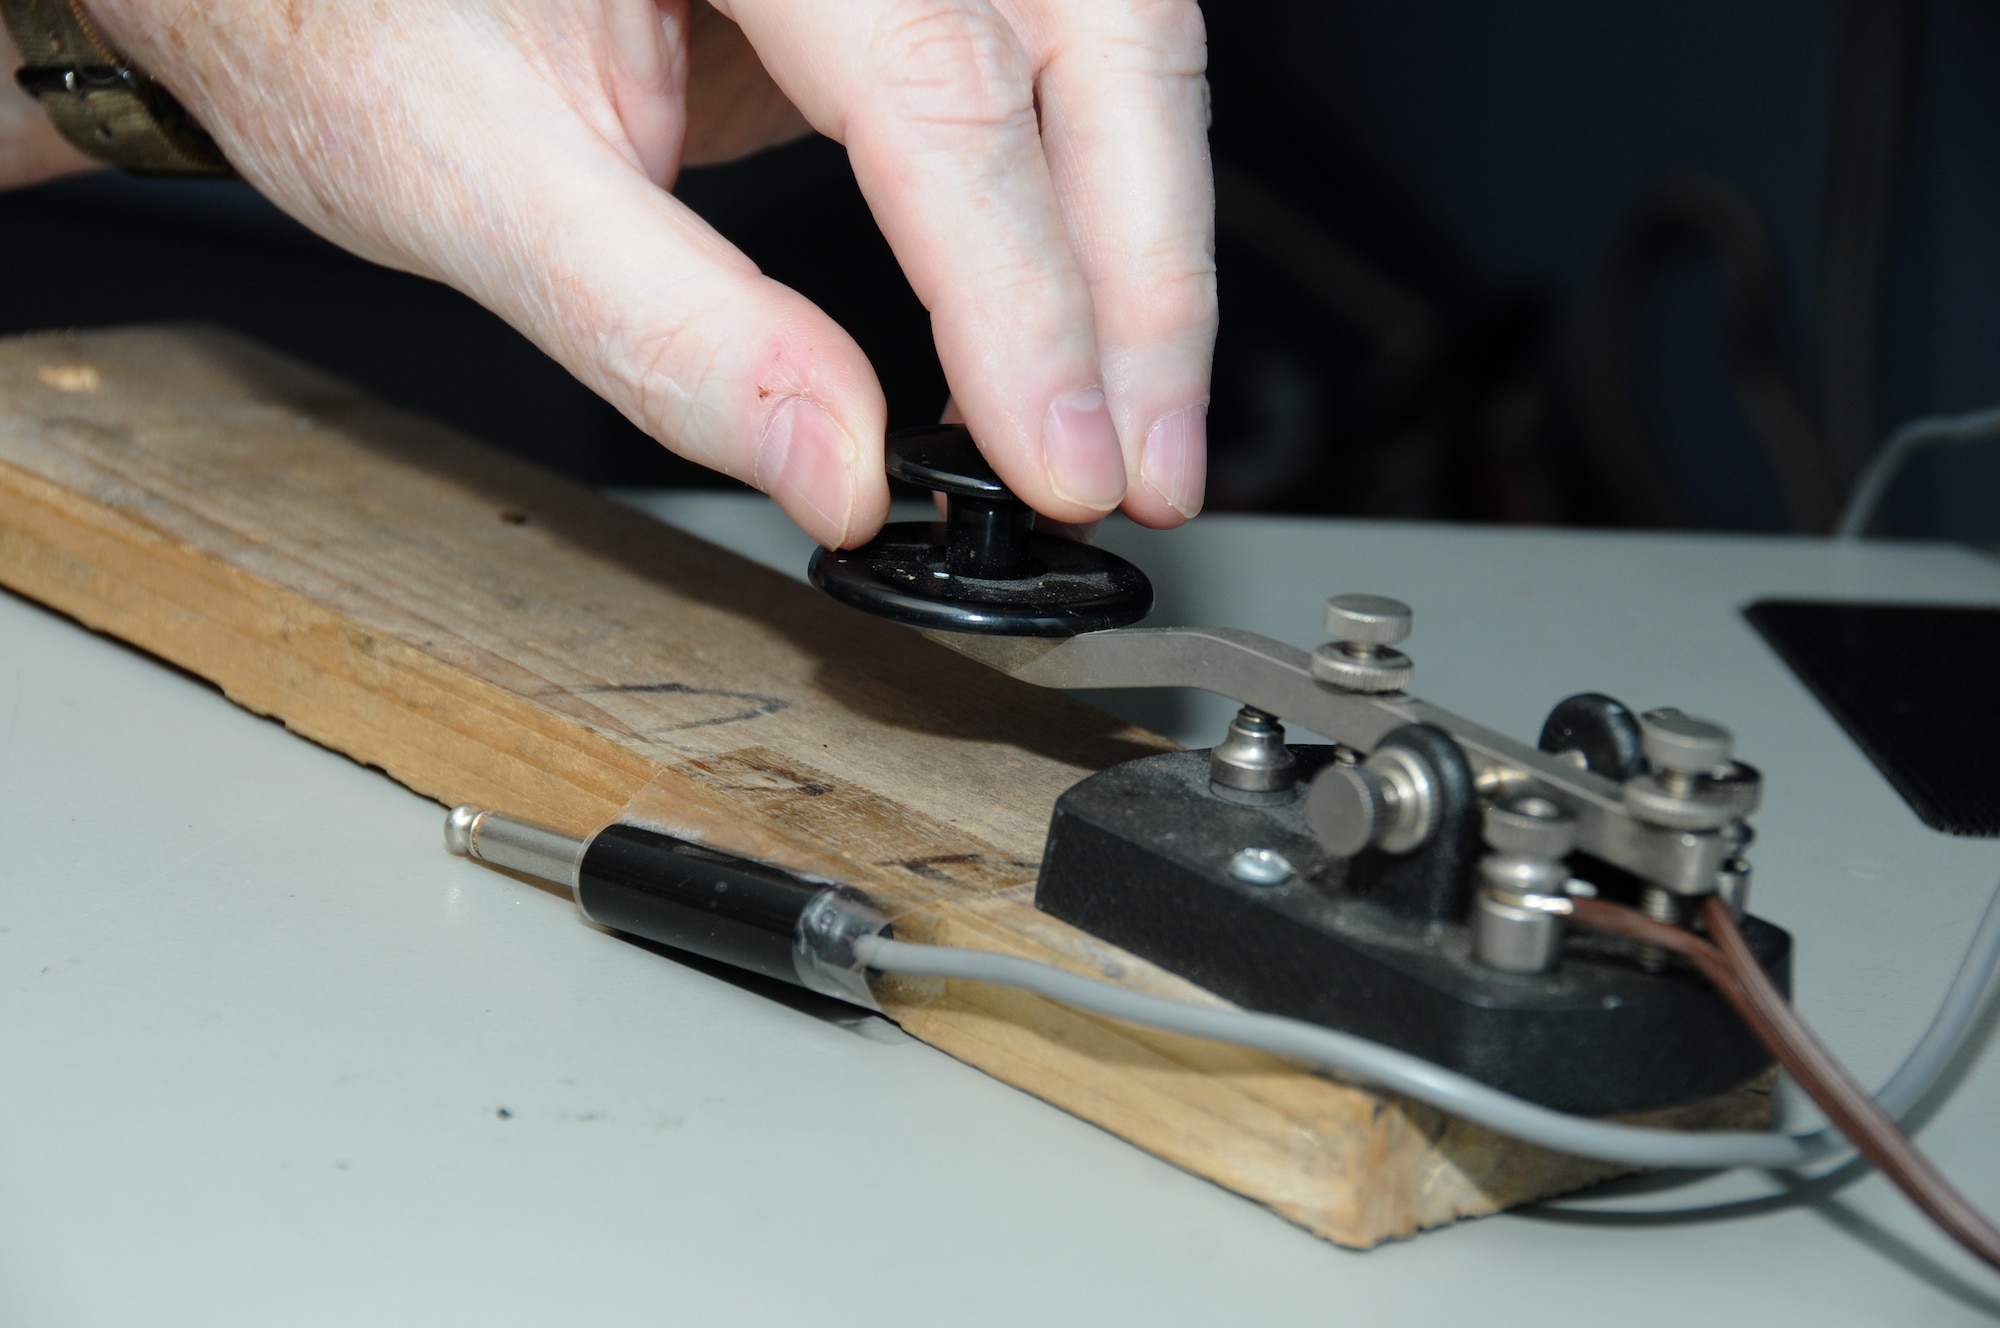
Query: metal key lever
{"type": "Point", "coordinates": [1277, 678]}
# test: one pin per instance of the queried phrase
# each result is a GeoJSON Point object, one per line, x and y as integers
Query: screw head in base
{"type": "Point", "coordinates": [1260, 866]}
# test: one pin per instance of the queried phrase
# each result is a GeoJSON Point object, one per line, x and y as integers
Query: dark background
{"type": "Point", "coordinates": [1663, 263]}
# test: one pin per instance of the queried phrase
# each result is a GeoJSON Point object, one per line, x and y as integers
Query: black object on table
{"type": "Point", "coordinates": [1917, 686]}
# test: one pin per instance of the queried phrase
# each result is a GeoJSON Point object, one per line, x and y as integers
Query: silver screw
{"type": "Point", "coordinates": [1680, 792]}
{"type": "Point", "coordinates": [1260, 866]}
{"type": "Point", "coordinates": [1360, 658]}
{"type": "Point", "coordinates": [1661, 905]}
{"type": "Point", "coordinates": [1389, 801]}
{"type": "Point", "coordinates": [1682, 748]}
{"type": "Point", "coordinates": [1366, 622]}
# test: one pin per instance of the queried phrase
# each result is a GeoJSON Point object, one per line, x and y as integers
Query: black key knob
{"type": "Point", "coordinates": [984, 568]}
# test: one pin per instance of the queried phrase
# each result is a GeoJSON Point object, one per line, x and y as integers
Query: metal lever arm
{"type": "Point", "coordinates": [1277, 679]}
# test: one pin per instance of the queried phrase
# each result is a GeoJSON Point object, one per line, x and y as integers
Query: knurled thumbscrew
{"type": "Point", "coordinates": [1681, 747]}
{"type": "Point", "coordinates": [1679, 792]}
{"type": "Point", "coordinates": [1360, 657]}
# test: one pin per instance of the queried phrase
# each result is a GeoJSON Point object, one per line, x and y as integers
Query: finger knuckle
{"type": "Point", "coordinates": [1186, 301]}
{"type": "Point", "coordinates": [1154, 38]}
{"type": "Point", "coordinates": [954, 64]}
{"type": "Point", "coordinates": [1176, 25]}
{"type": "Point", "coordinates": [666, 370]}
{"type": "Point", "coordinates": [1174, 303]}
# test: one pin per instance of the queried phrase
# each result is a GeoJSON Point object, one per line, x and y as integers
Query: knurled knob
{"type": "Point", "coordinates": [1681, 743]}
{"type": "Point", "coordinates": [1529, 827]}
{"type": "Point", "coordinates": [1370, 619]}
{"type": "Point", "coordinates": [1348, 809]}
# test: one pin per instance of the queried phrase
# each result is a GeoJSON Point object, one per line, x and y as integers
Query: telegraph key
{"type": "Point", "coordinates": [1408, 882]}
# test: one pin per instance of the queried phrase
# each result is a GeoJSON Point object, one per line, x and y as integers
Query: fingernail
{"type": "Point", "coordinates": [1175, 462]}
{"type": "Point", "coordinates": [805, 460]}
{"type": "Point", "coordinates": [1085, 465]}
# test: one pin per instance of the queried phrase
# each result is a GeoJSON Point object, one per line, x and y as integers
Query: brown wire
{"type": "Point", "coordinates": [1729, 964]}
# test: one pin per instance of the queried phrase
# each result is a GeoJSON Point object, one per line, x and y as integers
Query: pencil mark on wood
{"type": "Point", "coordinates": [755, 704]}
{"type": "Point", "coordinates": [932, 868]}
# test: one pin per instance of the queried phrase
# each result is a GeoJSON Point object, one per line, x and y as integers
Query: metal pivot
{"type": "Point", "coordinates": [1407, 818]}
{"type": "Point", "coordinates": [1252, 758]}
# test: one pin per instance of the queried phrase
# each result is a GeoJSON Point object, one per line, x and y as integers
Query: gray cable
{"type": "Point", "coordinates": [1913, 437]}
{"type": "Point", "coordinates": [1371, 1064]}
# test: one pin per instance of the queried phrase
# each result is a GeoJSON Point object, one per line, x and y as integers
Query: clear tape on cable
{"type": "Point", "coordinates": [856, 903]}
{"type": "Point", "coordinates": [825, 945]}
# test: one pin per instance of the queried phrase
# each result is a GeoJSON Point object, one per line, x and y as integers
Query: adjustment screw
{"type": "Point", "coordinates": [1360, 659]}
{"type": "Point", "coordinates": [1681, 744]}
{"type": "Point", "coordinates": [1680, 792]}
{"type": "Point", "coordinates": [1367, 620]}
{"type": "Point", "coordinates": [1390, 802]}
{"type": "Point", "coordinates": [1529, 827]}
{"type": "Point", "coordinates": [1348, 809]}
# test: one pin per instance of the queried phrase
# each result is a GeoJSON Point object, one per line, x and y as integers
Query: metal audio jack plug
{"type": "Point", "coordinates": [679, 894]}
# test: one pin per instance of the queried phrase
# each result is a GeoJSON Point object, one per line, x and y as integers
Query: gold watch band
{"type": "Point", "coordinates": [103, 106]}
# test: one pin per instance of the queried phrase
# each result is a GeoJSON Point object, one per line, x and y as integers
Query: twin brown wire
{"type": "Point", "coordinates": [1728, 963]}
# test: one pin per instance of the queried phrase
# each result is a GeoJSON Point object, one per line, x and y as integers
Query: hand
{"type": "Point", "coordinates": [1040, 167]}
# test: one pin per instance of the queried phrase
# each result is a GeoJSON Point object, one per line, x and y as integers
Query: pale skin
{"type": "Point", "coordinates": [1040, 168]}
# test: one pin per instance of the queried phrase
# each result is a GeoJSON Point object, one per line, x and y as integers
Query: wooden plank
{"type": "Point", "coordinates": [486, 632]}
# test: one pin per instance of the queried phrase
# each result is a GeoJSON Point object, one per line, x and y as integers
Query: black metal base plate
{"type": "Point", "coordinates": [1138, 855]}
{"type": "Point", "coordinates": [901, 575]}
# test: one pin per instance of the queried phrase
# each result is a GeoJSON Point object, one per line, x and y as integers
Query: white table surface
{"type": "Point", "coordinates": [257, 1029]}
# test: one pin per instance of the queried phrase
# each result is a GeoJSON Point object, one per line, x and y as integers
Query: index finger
{"type": "Point", "coordinates": [936, 102]}
{"type": "Point", "coordinates": [1124, 118]}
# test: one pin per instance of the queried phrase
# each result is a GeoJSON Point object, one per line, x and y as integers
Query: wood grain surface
{"type": "Point", "coordinates": [486, 632]}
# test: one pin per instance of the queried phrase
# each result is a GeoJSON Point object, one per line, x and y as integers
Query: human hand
{"type": "Point", "coordinates": [1039, 167]}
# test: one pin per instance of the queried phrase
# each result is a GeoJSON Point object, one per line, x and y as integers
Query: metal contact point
{"type": "Point", "coordinates": [458, 829]}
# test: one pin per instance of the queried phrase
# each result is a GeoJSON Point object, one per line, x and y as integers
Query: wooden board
{"type": "Point", "coordinates": [486, 632]}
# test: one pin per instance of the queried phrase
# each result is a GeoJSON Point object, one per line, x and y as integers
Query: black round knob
{"type": "Point", "coordinates": [1599, 729]}
{"type": "Point", "coordinates": [984, 568]}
